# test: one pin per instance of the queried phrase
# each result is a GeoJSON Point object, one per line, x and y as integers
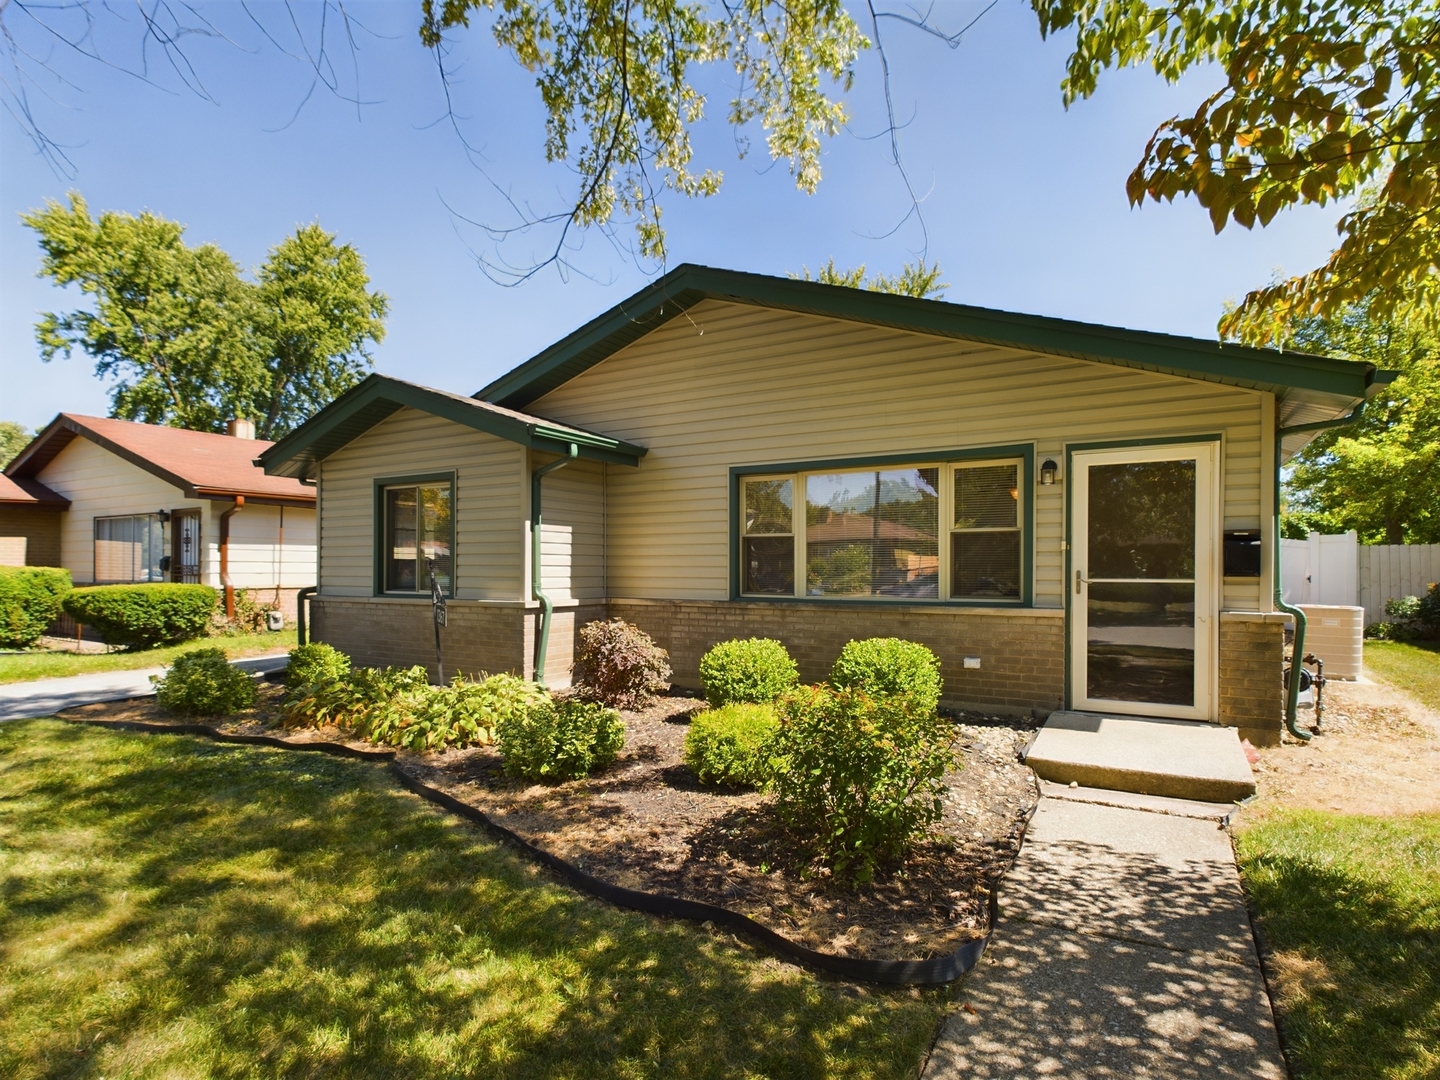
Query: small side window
{"type": "Point", "coordinates": [985, 541]}
{"type": "Point", "coordinates": [768, 537]}
{"type": "Point", "coordinates": [418, 527]}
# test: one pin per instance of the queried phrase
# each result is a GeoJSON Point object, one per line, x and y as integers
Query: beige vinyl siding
{"type": "Point", "coordinates": [258, 561]}
{"type": "Point", "coordinates": [738, 385]}
{"type": "Point", "coordinates": [100, 484]}
{"type": "Point", "coordinates": [490, 516]}
{"type": "Point", "coordinates": [572, 540]}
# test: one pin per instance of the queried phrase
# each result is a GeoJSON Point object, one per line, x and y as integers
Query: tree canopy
{"type": "Point", "coordinates": [189, 342]}
{"type": "Point", "coordinates": [915, 279]}
{"type": "Point", "coordinates": [1381, 475]}
{"type": "Point", "coordinates": [13, 438]}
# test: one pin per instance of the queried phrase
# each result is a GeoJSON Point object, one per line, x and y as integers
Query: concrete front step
{"type": "Point", "coordinates": [1177, 759]}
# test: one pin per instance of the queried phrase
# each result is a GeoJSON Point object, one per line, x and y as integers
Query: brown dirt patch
{"type": "Point", "coordinates": [646, 823]}
{"type": "Point", "coordinates": [1378, 753]}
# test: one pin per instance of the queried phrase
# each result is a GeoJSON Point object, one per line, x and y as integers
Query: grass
{"type": "Point", "coordinates": [1351, 907]}
{"type": "Point", "coordinates": [1414, 668]}
{"type": "Point", "coordinates": [170, 906]}
{"type": "Point", "coordinates": [20, 667]}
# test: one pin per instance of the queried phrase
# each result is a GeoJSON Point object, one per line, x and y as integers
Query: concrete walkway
{"type": "Point", "coordinates": [45, 697]}
{"type": "Point", "coordinates": [1124, 950]}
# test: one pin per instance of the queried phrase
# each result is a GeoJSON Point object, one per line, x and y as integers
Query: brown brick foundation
{"type": "Point", "coordinates": [1251, 661]}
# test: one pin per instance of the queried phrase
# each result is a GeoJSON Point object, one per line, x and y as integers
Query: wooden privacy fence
{"type": "Point", "coordinates": [1387, 571]}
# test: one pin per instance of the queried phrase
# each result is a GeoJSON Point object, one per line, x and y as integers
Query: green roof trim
{"type": "Point", "coordinates": [689, 284]}
{"type": "Point", "coordinates": [362, 407]}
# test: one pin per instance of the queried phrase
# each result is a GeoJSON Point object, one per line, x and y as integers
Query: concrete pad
{"type": "Point", "coordinates": [1161, 880]}
{"type": "Point", "coordinates": [1180, 759]}
{"type": "Point", "coordinates": [1050, 1003]}
{"type": "Point", "coordinates": [1130, 800]}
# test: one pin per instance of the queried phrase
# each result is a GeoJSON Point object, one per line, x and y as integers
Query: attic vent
{"type": "Point", "coordinates": [240, 429]}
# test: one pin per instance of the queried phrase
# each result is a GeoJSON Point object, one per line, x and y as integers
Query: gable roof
{"type": "Point", "coordinates": [30, 493]}
{"type": "Point", "coordinates": [362, 407]}
{"type": "Point", "coordinates": [1308, 387]}
{"type": "Point", "coordinates": [201, 464]}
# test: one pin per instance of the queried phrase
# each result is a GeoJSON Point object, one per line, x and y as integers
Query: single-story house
{"type": "Point", "coordinates": [1070, 515]}
{"type": "Point", "coordinates": [116, 501]}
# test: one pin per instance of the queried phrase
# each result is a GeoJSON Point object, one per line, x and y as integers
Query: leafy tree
{"type": "Point", "coordinates": [187, 340]}
{"type": "Point", "coordinates": [1380, 476]}
{"type": "Point", "coordinates": [914, 279]}
{"type": "Point", "coordinates": [1323, 100]}
{"type": "Point", "coordinates": [13, 439]}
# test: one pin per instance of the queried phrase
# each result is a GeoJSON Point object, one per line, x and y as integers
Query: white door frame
{"type": "Point", "coordinates": [1208, 576]}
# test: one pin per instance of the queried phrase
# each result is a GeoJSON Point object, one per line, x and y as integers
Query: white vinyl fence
{"type": "Point", "coordinates": [1340, 570]}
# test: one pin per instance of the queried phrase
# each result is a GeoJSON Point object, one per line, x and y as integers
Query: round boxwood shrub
{"type": "Point", "coordinates": [204, 683]}
{"type": "Point", "coordinates": [559, 740]}
{"type": "Point", "coordinates": [620, 665]}
{"type": "Point", "coordinates": [313, 664]}
{"type": "Point", "coordinates": [885, 667]}
{"type": "Point", "coordinates": [856, 776]}
{"type": "Point", "coordinates": [731, 745]}
{"type": "Point", "coordinates": [31, 598]}
{"type": "Point", "coordinates": [143, 616]}
{"type": "Point", "coordinates": [755, 671]}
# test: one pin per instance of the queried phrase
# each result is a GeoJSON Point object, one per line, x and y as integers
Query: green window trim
{"type": "Point", "coordinates": [380, 485]}
{"type": "Point", "coordinates": [1025, 452]}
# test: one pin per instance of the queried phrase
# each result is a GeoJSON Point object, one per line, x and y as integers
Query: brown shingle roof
{"type": "Point", "coordinates": [30, 493]}
{"type": "Point", "coordinates": [201, 464]}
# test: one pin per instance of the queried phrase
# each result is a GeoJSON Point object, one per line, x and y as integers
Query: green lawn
{"type": "Point", "coordinates": [174, 907]}
{"type": "Point", "coordinates": [1412, 668]}
{"type": "Point", "coordinates": [1351, 906]}
{"type": "Point", "coordinates": [19, 667]}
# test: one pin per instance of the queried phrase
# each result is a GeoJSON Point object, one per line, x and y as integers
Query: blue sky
{"type": "Point", "coordinates": [1024, 201]}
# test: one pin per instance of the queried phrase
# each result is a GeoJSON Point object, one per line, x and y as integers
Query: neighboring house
{"type": "Point", "coordinates": [1069, 515]}
{"type": "Point", "coordinates": [126, 502]}
{"type": "Point", "coordinates": [30, 516]}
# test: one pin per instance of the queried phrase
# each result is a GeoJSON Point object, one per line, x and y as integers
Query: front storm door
{"type": "Point", "coordinates": [185, 547]}
{"type": "Point", "coordinates": [1144, 603]}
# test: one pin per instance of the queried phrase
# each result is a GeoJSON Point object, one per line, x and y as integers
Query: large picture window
{"type": "Point", "coordinates": [929, 531]}
{"type": "Point", "coordinates": [129, 548]}
{"type": "Point", "coordinates": [418, 526]}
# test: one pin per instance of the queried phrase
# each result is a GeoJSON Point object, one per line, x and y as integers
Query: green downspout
{"type": "Point", "coordinates": [547, 608]}
{"type": "Point", "coordinates": [1297, 652]}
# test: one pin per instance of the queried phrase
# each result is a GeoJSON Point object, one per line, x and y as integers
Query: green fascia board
{"type": "Point", "coordinates": [689, 284]}
{"type": "Point", "coordinates": [377, 397]}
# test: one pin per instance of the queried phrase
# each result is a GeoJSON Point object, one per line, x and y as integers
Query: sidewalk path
{"type": "Point", "coordinates": [1124, 950]}
{"type": "Point", "coordinates": [44, 697]}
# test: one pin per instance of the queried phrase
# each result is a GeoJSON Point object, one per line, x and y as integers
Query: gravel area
{"type": "Point", "coordinates": [646, 823]}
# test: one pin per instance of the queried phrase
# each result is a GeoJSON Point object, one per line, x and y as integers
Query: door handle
{"type": "Point", "coordinates": [1079, 579]}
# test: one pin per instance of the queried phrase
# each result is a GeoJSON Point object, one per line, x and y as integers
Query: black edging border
{"type": "Point", "coordinates": [936, 971]}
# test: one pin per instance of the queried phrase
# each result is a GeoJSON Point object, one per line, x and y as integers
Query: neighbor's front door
{"type": "Point", "coordinates": [1144, 601]}
{"type": "Point", "coordinates": [185, 552]}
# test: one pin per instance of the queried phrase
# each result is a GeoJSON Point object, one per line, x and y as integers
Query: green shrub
{"type": "Point", "coordinates": [1412, 618]}
{"type": "Point", "coordinates": [30, 600]}
{"type": "Point", "coordinates": [143, 616]}
{"type": "Point", "coordinates": [467, 713]}
{"type": "Point", "coordinates": [620, 665]}
{"type": "Point", "coordinates": [860, 778]}
{"type": "Point", "coordinates": [756, 672]}
{"type": "Point", "coordinates": [884, 667]}
{"type": "Point", "coordinates": [204, 683]}
{"type": "Point", "coordinates": [560, 740]}
{"type": "Point", "coordinates": [311, 664]}
{"type": "Point", "coordinates": [731, 745]}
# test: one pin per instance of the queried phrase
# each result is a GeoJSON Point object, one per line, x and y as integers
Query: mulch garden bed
{"type": "Point", "coordinates": [646, 823]}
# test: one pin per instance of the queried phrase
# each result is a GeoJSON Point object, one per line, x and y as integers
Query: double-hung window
{"type": "Point", "coordinates": [928, 531]}
{"type": "Point", "coordinates": [418, 533]}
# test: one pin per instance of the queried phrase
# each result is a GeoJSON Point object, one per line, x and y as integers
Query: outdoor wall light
{"type": "Point", "coordinates": [163, 515]}
{"type": "Point", "coordinates": [1047, 472]}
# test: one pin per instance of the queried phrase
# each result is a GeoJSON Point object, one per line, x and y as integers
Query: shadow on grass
{"type": "Point", "coordinates": [171, 905]}
{"type": "Point", "coordinates": [1350, 907]}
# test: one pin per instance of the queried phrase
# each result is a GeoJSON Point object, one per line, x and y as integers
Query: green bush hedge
{"type": "Point", "coordinates": [31, 598]}
{"type": "Point", "coordinates": [143, 616]}
{"type": "Point", "coordinates": [755, 671]}
{"type": "Point", "coordinates": [860, 777]}
{"type": "Point", "coordinates": [312, 664]}
{"type": "Point", "coordinates": [620, 665]}
{"type": "Point", "coordinates": [885, 667]}
{"type": "Point", "coordinates": [560, 740]}
{"type": "Point", "coordinates": [731, 745]}
{"type": "Point", "coordinates": [1412, 618]}
{"type": "Point", "coordinates": [204, 683]}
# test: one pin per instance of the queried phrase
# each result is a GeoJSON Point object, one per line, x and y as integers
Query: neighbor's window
{"type": "Point", "coordinates": [882, 533]}
{"type": "Point", "coordinates": [985, 550]}
{"type": "Point", "coordinates": [768, 541]}
{"type": "Point", "coordinates": [129, 548]}
{"type": "Point", "coordinates": [418, 526]}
